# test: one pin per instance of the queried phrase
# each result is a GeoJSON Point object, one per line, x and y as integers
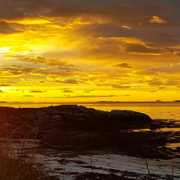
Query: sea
{"type": "Point", "coordinates": [156, 110]}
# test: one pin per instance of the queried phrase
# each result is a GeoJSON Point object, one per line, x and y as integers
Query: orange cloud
{"type": "Point", "coordinates": [158, 20]}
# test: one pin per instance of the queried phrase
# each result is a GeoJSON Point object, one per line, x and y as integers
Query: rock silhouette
{"type": "Point", "coordinates": [71, 125]}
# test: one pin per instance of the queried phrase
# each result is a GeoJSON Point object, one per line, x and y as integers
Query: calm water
{"type": "Point", "coordinates": [154, 110]}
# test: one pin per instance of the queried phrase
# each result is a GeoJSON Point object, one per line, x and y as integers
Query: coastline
{"type": "Point", "coordinates": [80, 130]}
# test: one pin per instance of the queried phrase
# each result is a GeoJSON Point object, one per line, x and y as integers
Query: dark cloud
{"type": "Point", "coordinates": [70, 81]}
{"type": "Point", "coordinates": [140, 48]}
{"type": "Point", "coordinates": [36, 91]}
{"type": "Point", "coordinates": [163, 37]}
{"type": "Point", "coordinates": [168, 69]}
{"type": "Point", "coordinates": [119, 86]}
{"type": "Point", "coordinates": [161, 83]}
{"type": "Point", "coordinates": [14, 71]}
{"type": "Point", "coordinates": [67, 91]}
{"type": "Point", "coordinates": [4, 85]}
{"type": "Point", "coordinates": [40, 59]}
{"type": "Point", "coordinates": [6, 28]}
{"type": "Point", "coordinates": [124, 65]}
{"type": "Point", "coordinates": [117, 11]}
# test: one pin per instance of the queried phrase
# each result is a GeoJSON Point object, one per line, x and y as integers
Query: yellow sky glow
{"type": "Point", "coordinates": [101, 54]}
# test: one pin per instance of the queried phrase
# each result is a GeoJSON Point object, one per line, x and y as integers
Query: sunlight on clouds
{"type": "Point", "coordinates": [89, 53]}
{"type": "Point", "coordinates": [126, 27]}
{"type": "Point", "coordinates": [156, 19]}
{"type": "Point", "coordinates": [5, 59]}
{"type": "Point", "coordinates": [31, 21]}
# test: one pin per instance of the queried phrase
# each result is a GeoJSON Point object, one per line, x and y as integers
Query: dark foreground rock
{"type": "Point", "coordinates": [71, 125]}
{"type": "Point", "coordinates": [79, 128]}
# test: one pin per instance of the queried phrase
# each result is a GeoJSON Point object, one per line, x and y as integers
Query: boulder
{"type": "Point", "coordinates": [57, 118]}
{"type": "Point", "coordinates": [127, 115]}
{"type": "Point", "coordinates": [39, 114]}
{"type": "Point", "coordinates": [52, 111]}
{"type": "Point", "coordinates": [80, 115]}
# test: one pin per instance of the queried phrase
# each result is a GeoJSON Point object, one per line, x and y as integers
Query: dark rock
{"type": "Point", "coordinates": [39, 114]}
{"type": "Point", "coordinates": [57, 118]}
{"type": "Point", "coordinates": [126, 115]}
{"type": "Point", "coordinates": [154, 126]}
{"type": "Point", "coordinates": [27, 116]}
{"type": "Point", "coordinates": [3, 118]}
{"type": "Point", "coordinates": [72, 125]}
{"type": "Point", "coordinates": [52, 110]}
{"type": "Point", "coordinates": [14, 118]}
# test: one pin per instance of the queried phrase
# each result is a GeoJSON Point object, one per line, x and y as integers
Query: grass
{"type": "Point", "coordinates": [16, 163]}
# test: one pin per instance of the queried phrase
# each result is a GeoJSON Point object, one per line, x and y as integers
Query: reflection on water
{"type": "Point", "coordinates": [141, 130]}
{"type": "Point", "coordinates": [169, 129]}
{"type": "Point", "coordinates": [173, 146]}
{"type": "Point", "coordinates": [154, 110]}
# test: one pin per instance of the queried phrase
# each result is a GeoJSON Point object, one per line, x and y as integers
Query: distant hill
{"type": "Point", "coordinates": [158, 101]}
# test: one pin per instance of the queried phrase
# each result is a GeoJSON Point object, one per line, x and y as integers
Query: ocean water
{"type": "Point", "coordinates": [166, 110]}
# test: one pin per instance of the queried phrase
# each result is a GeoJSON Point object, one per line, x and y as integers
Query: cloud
{"type": "Point", "coordinates": [85, 96]}
{"type": "Point", "coordinates": [119, 12]}
{"type": "Point", "coordinates": [15, 71]}
{"type": "Point", "coordinates": [6, 28]}
{"type": "Point", "coordinates": [119, 86]}
{"type": "Point", "coordinates": [28, 96]}
{"type": "Point", "coordinates": [70, 81]}
{"type": "Point", "coordinates": [124, 65]}
{"type": "Point", "coordinates": [158, 20]}
{"type": "Point", "coordinates": [4, 85]}
{"type": "Point", "coordinates": [39, 59]}
{"type": "Point", "coordinates": [156, 82]}
{"type": "Point", "coordinates": [165, 69]}
{"type": "Point", "coordinates": [20, 49]}
{"type": "Point", "coordinates": [144, 72]}
{"type": "Point", "coordinates": [37, 91]}
{"type": "Point", "coordinates": [126, 27]}
{"type": "Point", "coordinates": [141, 49]}
{"type": "Point", "coordinates": [68, 91]}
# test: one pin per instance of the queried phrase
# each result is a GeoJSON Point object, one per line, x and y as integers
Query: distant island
{"type": "Point", "coordinates": [109, 102]}
{"type": "Point", "coordinates": [177, 101]}
{"type": "Point", "coordinates": [158, 101]}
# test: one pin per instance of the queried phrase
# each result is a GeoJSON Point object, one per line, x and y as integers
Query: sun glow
{"type": "Point", "coordinates": [49, 55]}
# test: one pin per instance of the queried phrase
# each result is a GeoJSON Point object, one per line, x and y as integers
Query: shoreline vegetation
{"type": "Point", "coordinates": [18, 161]}
{"type": "Point", "coordinates": [80, 129]}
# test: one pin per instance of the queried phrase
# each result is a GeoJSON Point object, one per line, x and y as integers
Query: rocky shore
{"type": "Point", "coordinates": [77, 127]}
{"type": "Point", "coordinates": [79, 130]}
{"type": "Point", "coordinates": [72, 118]}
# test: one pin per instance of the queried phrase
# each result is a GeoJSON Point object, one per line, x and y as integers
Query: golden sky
{"type": "Point", "coordinates": [89, 50]}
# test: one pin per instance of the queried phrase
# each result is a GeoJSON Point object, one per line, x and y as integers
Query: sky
{"type": "Point", "coordinates": [88, 51]}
